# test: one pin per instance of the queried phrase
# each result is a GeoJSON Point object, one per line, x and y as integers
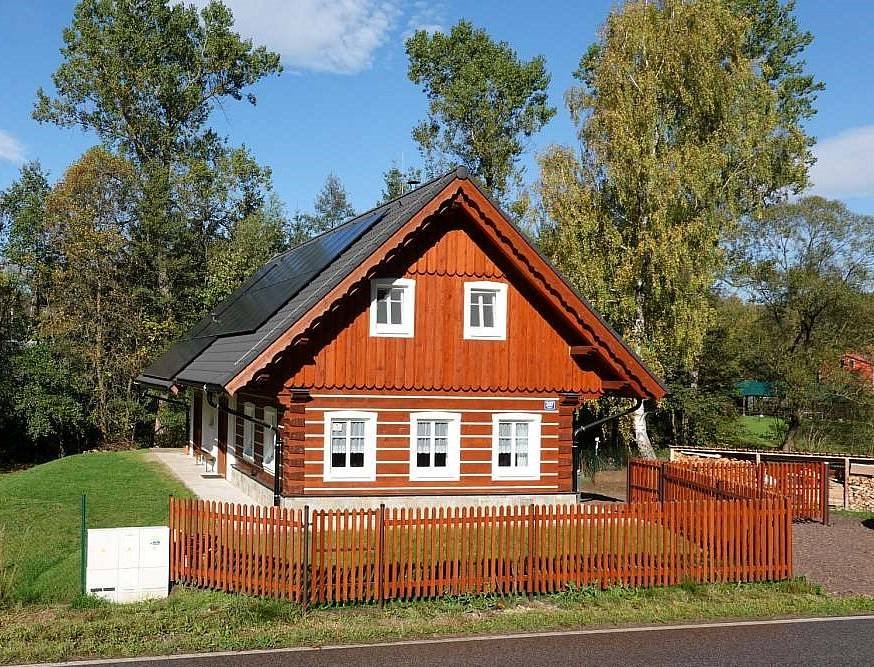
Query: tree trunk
{"type": "Point", "coordinates": [641, 436]}
{"type": "Point", "coordinates": [792, 431]}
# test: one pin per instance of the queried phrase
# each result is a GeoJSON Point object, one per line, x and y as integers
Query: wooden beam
{"type": "Point", "coordinates": [583, 350]}
{"type": "Point", "coordinates": [615, 385]}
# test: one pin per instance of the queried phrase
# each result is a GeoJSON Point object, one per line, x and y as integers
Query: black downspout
{"type": "Point", "coordinates": [277, 444]}
{"type": "Point", "coordinates": [577, 455]}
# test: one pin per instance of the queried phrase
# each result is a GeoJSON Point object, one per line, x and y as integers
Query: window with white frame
{"type": "Point", "coordinates": [350, 446]}
{"type": "Point", "coordinates": [248, 432]}
{"type": "Point", "coordinates": [516, 446]}
{"type": "Point", "coordinates": [392, 307]}
{"type": "Point", "coordinates": [434, 445]}
{"type": "Point", "coordinates": [485, 310]}
{"type": "Point", "coordinates": [269, 458]}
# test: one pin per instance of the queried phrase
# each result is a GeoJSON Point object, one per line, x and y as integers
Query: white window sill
{"type": "Point", "coordinates": [428, 477]}
{"type": "Point", "coordinates": [348, 478]}
{"type": "Point", "coordinates": [472, 335]}
{"type": "Point", "coordinates": [515, 476]}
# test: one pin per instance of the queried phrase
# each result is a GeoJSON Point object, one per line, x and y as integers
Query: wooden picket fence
{"type": "Point", "coordinates": [805, 484]}
{"type": "Point", "coordinates": [331, 557]}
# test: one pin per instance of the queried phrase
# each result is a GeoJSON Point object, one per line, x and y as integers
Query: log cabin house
{"type": "Point", "coordinates": [423, 351]}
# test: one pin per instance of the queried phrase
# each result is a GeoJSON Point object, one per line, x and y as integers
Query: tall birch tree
{"type": "Point", "coordinates": [681, 135]}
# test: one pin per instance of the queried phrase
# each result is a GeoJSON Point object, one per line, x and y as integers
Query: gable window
{"type": "Point", "coordinates": [350, 446]}
{"type": "Point", "coordinates": [434, 445]}
{"type": "Point", "coordinates": [248, 433]}
{"type": "Point", "coordinates": [269, 440]}
{"type": "Point", "coordinates": [485, 311]}
{"type": "Point", "coordinates": [392, 307]}
{"type": "Point", "coordinates": [516, 446]}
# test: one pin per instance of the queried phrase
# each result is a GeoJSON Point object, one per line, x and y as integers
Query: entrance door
{"type": "Point", "coordinates": [210, 431]}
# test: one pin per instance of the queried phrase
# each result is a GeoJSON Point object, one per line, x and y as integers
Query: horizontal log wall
{"type": "Point", "coordinates": [365, 556]}
{"type": "Point", "coordinates": [393, 445]}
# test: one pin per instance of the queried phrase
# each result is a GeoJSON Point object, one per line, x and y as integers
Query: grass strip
{"type": "Point", "coordinates": [193, 621]}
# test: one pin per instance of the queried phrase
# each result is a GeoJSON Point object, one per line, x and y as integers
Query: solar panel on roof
{"type": "Point", "coordinates": [283, 277]}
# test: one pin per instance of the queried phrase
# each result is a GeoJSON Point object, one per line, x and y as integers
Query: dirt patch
{"type": "Point", "coordinates": [607, 485]}
{"type": "Point", "coordinates": [840, 557]}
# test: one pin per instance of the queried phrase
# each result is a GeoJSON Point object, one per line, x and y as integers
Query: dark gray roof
{"type": "Point", "coordinates": [248, 321]}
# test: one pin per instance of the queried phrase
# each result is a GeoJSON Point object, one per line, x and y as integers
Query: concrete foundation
{"type": "Point", "coordinates": [252, 488]}
{"type": "Point", "coordinates": [480, 500]}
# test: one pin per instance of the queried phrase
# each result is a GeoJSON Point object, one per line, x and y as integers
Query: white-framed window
{"type": "Point", "coordinates": [248, 433]}
{"type": "Point", "coordinates": [434, 445]}
{"type": "Point", "coordinates": [516, 445]}
{"type": "Point", "coordinates": [485, 310]}
{"type": "Point", "coordinates": [269, 459]}
{"type": "Point", "coordinates": [350, 446]}
{"type": "Point", "coordinates": [392, 307]}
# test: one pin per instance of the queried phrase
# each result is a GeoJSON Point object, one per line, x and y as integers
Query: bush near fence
{"type": "Point", "coordinates": [329, 557]}
{"type": "Point", "coordinates": [805, 484]}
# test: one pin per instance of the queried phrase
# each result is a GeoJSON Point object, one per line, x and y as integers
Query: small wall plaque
{"type": "Point", "coordinates": [549, 405]}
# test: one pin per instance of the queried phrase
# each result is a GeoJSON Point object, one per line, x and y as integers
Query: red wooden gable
{"type": "Point", "coordinates": [555, 341]}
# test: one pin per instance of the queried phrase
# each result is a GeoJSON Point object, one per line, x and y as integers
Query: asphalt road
{"type": "Point", "coordinates": [810, 642]}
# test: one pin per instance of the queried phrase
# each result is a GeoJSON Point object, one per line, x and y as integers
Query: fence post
{"type": "Point", "coordinates": [760, 480]}
{"type": "Point", "coordinates": [532, 518]}
{"type": "Point", "coordinates": [826, 519]}
{"type": "Point", "coordinates": [305, 587]}
{"type": "Point", "coordinates": [83, 545]}
{"type": "Point", "coordinates": [662, 483]}
{"type": "Point", "coordinates": [380, 557]}
{"type": "Point", "coordinates": [628, 466]}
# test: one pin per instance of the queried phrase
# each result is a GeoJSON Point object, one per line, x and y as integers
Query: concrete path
{"type": "Point", "coordinates": [207, 486]}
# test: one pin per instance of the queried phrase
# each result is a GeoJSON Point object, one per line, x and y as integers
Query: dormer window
{"type": "Point", "coordinates": [392, 307]}
{"type": "Point", "coordinates": [485, 311]}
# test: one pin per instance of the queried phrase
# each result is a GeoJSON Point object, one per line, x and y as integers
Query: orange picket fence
{"type": "Point", "coordinates": [330, 557]}
{"type": "Point", "coordinates": [805, 484]}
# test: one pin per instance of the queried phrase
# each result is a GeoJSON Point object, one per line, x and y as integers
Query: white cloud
{"type": "Point", "coordinates": [337, 36]}
{"type": "Point", "coordinates": [845, 164]}
{"type": "Point", "coordinates": [10, 148]}
{"type": "Point", "coordinates": [426, 15]}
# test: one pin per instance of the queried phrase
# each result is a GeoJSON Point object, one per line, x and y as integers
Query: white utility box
{"type": "Point", "coordinates": [128, 564]}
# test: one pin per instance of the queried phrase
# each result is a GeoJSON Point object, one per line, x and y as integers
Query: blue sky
{"type": "Point", "coordinates": [344, 103]}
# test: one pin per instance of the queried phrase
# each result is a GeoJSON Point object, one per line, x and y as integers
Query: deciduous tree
{"type": "Point", "coordinates": [680, 134]}
{"type": "Point", "coordinates": [809, 265]}
{"type": "Point", "coordinates": [483, 101]}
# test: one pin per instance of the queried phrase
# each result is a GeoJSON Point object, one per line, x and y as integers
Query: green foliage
{"type": "Point", "coordinates": [809, 267]}
{"type": "Point", "coordinates": [50, 400]}
{"type": "Point", "coordinates": [482, 101]}
{"type": "Point", "coordinates": [332, 205]}
{"type": "Point", "coordinates": [254, 240]}
{"type": "Point", "coordinates": [682, 134]}
{"type": "Point", "coordinates": [398, 182]}
{"type": "Point", "coordinates": [145, 75]}
{"type": "Point", "coordinates": [331, 208]}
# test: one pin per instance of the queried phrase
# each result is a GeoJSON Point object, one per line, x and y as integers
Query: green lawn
{"type": "Point", "coordinates": [757, 431]}
{"type": "Point", "coordinates": [40, 516]}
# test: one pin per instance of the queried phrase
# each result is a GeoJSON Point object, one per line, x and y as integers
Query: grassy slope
{"type": "Point", "coordinates": [202, 621]}
{"type": "Point", "coordinates": [760, 431]}
{"type": "Point", "coordinates": [40, 510]}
